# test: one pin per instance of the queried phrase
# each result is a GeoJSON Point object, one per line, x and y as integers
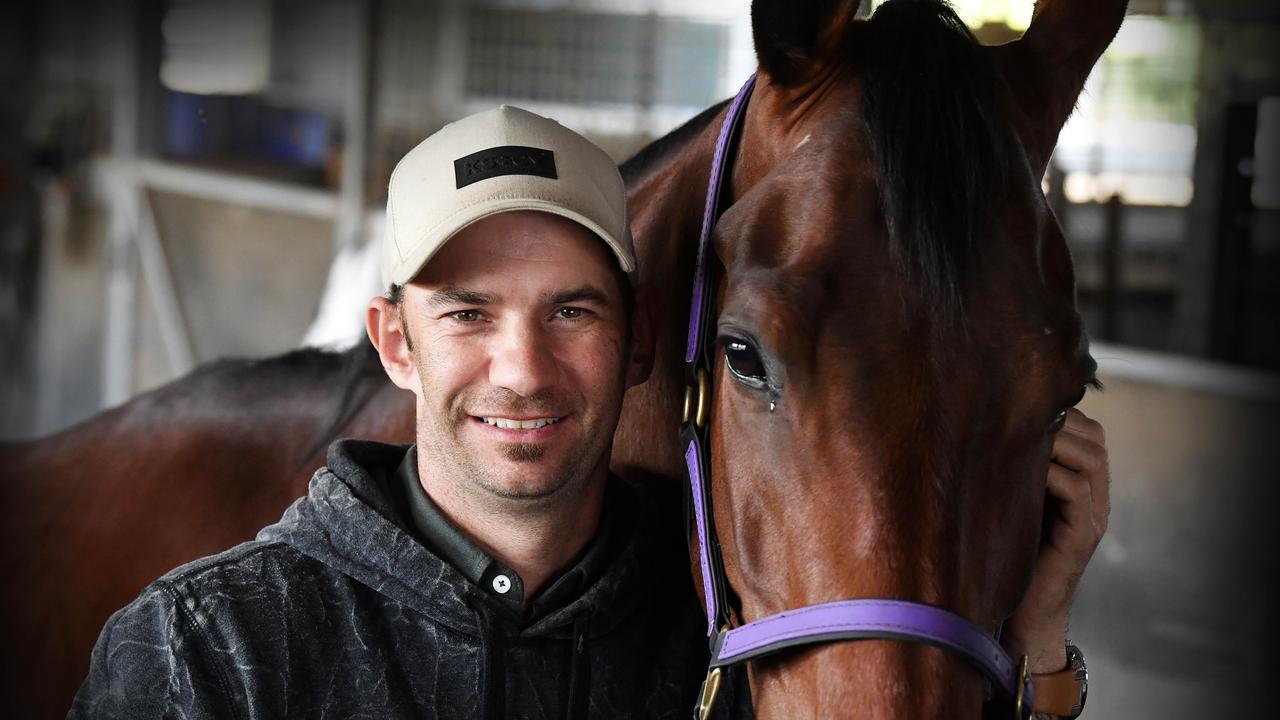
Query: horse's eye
{"type": "Point", "coordinates": [1083, 391]}
{"type": "Point", "coordinates": [744, 362]}
{"type": "Point", "coordinates": [1061, 418]}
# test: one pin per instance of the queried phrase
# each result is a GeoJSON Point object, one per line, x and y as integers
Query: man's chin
{"type": "Point", "coordinates": [526, 489]}
{"type": "Point", "coordinates": [525, 473]}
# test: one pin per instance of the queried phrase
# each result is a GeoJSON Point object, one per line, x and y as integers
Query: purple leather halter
{"type": "Point", "coordinates": [839, 620]}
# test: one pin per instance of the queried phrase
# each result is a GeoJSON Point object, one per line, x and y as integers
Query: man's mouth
{"type": "Point", "coordinates": [510, 424]}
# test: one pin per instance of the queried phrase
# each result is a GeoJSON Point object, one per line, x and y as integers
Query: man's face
{"type": "Point", "coordinates": [520, 346]}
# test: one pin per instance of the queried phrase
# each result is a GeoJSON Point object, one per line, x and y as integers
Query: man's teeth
{"type": "Point", "coordinates": [534, 424]}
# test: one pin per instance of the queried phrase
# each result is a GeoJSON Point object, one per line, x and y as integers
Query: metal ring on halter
{"type": "Point", "coordinates": [707, 698]}
{"type": "Point", "coordinates": [704, 399]}
{"type": "Point", "coordinates": [1024, 679]}
{"type": "Point", "coordinates": [710, 687]}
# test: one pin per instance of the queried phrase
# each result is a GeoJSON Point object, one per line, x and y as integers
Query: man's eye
{"type": "Point", "coordinates": [569, 313]}
{"type": "Point", "coordinates": [466, 316]}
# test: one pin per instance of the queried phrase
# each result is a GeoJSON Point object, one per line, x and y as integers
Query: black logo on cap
{"type": "Point", "coordinates": [505, 160]}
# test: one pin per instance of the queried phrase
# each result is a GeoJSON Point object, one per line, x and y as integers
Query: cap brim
{"type": "Point", "coordinates": [412, 264]}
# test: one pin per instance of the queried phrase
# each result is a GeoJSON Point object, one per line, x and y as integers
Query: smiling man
{"type": "Point", "coordinates": [516, 340]}
{"type": "Point", "coordinates": [495, 568]}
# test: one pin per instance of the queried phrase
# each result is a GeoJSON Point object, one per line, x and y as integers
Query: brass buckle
{"type": "Point", "coordinates": [697, 408]}
{"type": "Point", "coordinates": [704, 399]}
{"type": "Point", "coordinates": [707, 698]}
{"type": "Point", "coordinates": [1024, 679]}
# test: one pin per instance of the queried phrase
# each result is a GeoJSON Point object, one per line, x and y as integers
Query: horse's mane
{"type": "Point", "coordinates": [360, 365]}
{"type": "Point", "coordinates": [657, 153]}
{"type": "Point", "coordinates": [351, 370]}
{"type": "Point", "coordinates": [292, 363]}
{"type": "Point", "coordinates": [931, 110]}
{"type": "Point", "coordinates": [303, 365]}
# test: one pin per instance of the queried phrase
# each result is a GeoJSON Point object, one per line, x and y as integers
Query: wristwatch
{"type": "Point", "coordinates": [1062, 694]}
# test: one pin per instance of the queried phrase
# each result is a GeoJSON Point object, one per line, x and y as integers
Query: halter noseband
{"type": "Point", "coordinates": [826, 622]}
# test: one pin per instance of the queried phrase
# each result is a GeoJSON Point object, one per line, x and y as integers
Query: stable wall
{"type": "Point", "coordinates": [1175, 612]}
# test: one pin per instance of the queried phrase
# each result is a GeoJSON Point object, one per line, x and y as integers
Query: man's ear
{"type": "Point", "coordinates": [382, 320]}
{"type": "Point", "coordinates": [643, 340]}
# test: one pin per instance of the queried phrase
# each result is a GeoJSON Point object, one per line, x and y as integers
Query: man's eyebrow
{"type": "Point", "coordinates": [459, 296]}
{"type": "Point", "coordinates": [585, 293]}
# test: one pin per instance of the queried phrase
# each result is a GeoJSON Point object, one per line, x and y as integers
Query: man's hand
{"type": "Point", "coordinates": [1078, 503]}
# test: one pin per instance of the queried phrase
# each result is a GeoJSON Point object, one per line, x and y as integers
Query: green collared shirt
{"type": "Point", "coordinates": [503, 584]}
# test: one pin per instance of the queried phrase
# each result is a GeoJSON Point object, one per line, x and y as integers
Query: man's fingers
{"type": "Point", "coordinates": [1079, 506]}
{"type": "Point", "coordinates": [1078, 471]}
{"type": "Point", "coordinates": [1080, 424]}
{"type": "Point", "coordinates": [1070, 487]}
{"type": "Point", "coordinates": [1077, 452]}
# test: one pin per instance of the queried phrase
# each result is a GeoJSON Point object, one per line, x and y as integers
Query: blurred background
{"type": "Point", "coordinates": [179, 179]}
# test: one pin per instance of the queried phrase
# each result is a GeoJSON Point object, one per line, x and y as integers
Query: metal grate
{"type": "Point", "coordinates": [593, 58]}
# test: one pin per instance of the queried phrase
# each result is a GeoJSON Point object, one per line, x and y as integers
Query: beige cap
{"type": "Point", "coordinates": [492, 162]}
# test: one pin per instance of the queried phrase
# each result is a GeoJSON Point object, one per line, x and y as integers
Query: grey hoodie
{"type": "Point", "coordinates": [337, 611]}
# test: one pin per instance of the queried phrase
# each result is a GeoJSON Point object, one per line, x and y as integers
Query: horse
{"type": "Point", "coordinates": [896, 337]}
{"type": "Point", "coordinates": [98, 511]}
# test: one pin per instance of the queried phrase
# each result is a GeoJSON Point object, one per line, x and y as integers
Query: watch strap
{"type": "Point", "coordinates": [1062, 694]}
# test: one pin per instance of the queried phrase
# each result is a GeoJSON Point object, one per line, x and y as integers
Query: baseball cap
{"type": "Point", "coordinates": [492, 162]}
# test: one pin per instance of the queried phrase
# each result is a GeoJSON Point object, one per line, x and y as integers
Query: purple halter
{"type": "Point", "coordinates": [840, 620]}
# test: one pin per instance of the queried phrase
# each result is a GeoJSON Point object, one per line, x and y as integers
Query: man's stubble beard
{"type": "Point", "coordinates": [581, 465]}
{"type": "Point", "coordinates": [473, 475]}
{"type": "Point", "coordinates": [524, 452]}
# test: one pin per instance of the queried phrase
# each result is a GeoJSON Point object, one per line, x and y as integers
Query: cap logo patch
{"type": "Point", "coordinates": [505, 160]}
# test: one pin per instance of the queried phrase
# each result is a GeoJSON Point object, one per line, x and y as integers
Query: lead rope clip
{"type": "Point", "coordinates": [707, 697]}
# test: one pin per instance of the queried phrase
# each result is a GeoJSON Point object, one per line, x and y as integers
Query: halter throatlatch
{"type": "Point", "coordinates": [859, 619]}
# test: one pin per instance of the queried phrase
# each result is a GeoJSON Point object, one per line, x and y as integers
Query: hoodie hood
{"type": "Point", "coordinates": [349, 522]}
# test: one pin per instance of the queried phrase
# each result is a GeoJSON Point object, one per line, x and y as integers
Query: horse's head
{"type": "Point", "coordinates": [898, 332]}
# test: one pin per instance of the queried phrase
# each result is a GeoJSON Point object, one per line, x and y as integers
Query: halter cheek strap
{"type": "Point", "coordinates": [698, 355]}
{"type": "Point", "coordinates": [840, 620]}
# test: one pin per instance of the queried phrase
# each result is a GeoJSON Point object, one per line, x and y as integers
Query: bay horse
{"type": "Point", "coordinates": [897, 334]}
{"type": "Point", "coordinates": [98, 511]}
{"type": "Point", "coordinates": [897, 338]}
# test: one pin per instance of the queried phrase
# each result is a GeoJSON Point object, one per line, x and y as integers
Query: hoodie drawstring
{"type": "Point", "coordinates": [579, 671]}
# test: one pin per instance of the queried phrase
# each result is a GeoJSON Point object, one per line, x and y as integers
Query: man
{"type": "Point", "coordinates": [495, 568]}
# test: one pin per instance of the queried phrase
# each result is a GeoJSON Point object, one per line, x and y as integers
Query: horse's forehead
{"type": "Point", "coordinates": [809, 241]}
{"type": "Point", "coordinates": [816, 205]}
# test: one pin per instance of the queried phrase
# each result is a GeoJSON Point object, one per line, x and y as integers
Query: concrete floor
{"type": "Point", "coordinates": [1174, 613]}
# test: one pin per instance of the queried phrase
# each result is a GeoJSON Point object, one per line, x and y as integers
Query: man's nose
{"type": "Point", "coordinates": [524, 361]}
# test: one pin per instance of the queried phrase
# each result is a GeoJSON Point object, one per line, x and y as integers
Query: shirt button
{"type": "Point", "coordinates": [501, 584]}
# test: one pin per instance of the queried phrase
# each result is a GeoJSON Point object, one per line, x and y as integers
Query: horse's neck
{"type": "Point", "coordinates": [666, 215]}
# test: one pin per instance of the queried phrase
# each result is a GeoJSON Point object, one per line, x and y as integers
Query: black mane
{"type": "Point", "coordinates": [308, 364]}
{"type": "Point", "coordinates": [930, 106]}
{"type": "Point", "coordinates": [356, 372]}
{"type": "Point", "coordinates": [655, 154]}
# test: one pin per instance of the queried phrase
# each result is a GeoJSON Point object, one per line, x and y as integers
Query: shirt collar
{"type": "Point", "coordinates": [498, 581]}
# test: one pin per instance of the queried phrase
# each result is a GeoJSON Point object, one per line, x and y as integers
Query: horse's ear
{"type": "Point", "coordinates": [792, 37]}
{"type": "Point", "coordinates": [1047, 68]}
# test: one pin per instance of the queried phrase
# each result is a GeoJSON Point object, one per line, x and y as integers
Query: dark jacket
{"type": "Point", "coordinates": [338, 612]}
